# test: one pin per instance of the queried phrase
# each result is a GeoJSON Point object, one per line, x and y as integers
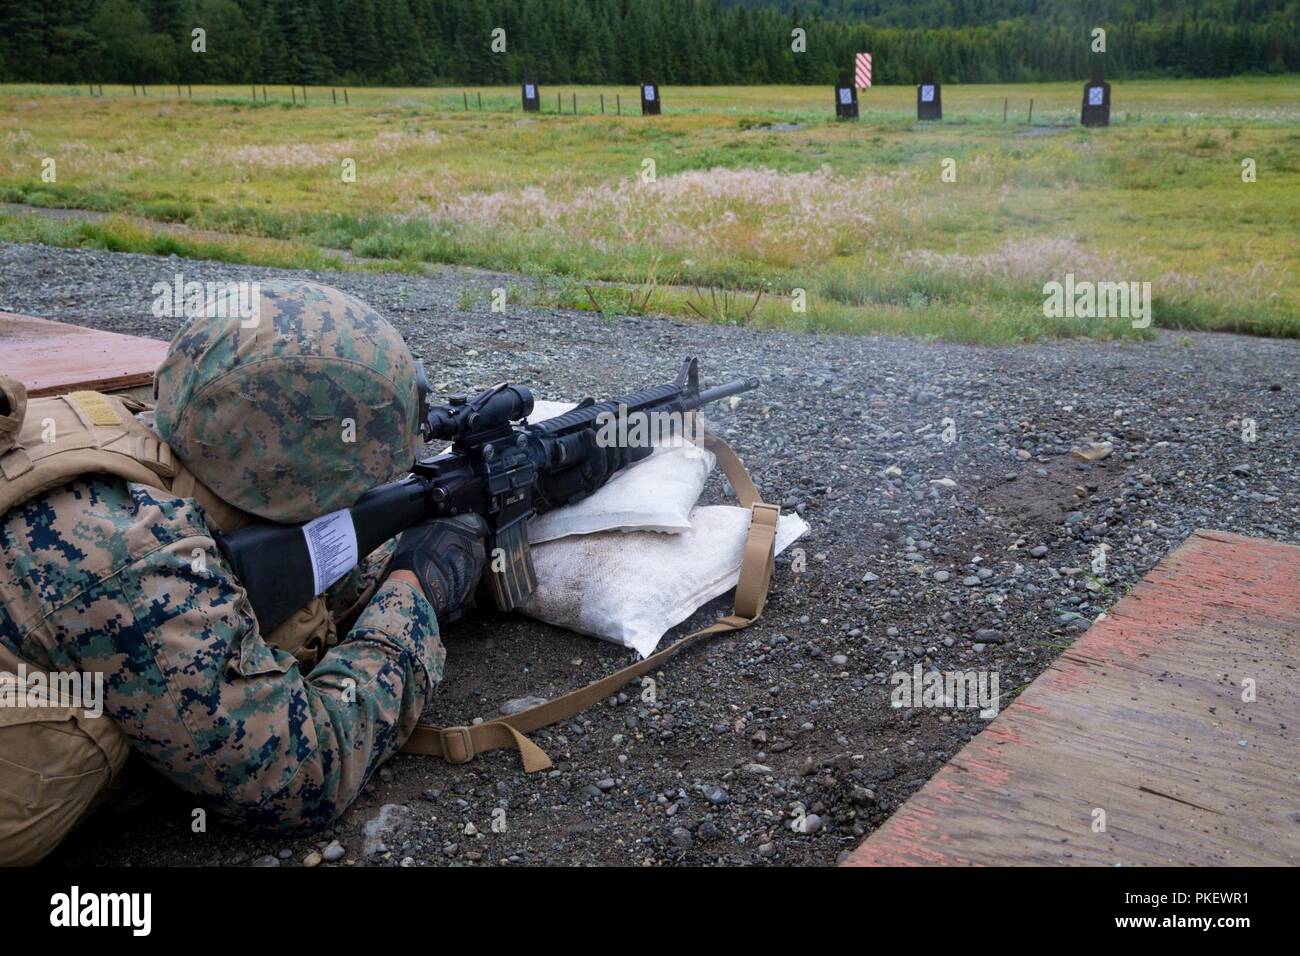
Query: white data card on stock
{"type": "Point", "coordinates": [332, 544]}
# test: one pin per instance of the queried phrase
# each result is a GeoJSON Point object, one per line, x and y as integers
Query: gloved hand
{"type": "Point", "coordinates": [447, 555]}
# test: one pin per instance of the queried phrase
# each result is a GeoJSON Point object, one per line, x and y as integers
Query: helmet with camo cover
{"type": "Point", "coordinates": [294, 411]}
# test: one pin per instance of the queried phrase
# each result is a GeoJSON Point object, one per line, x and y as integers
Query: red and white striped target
{"type": "Point", "coordinates": [862, 70]}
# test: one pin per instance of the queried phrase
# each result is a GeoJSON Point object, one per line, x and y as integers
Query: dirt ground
{"type": "Point", "coordinates": [971, 553]}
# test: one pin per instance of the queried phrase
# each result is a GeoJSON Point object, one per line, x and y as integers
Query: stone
{"type": "Point", "coordinates": [385, 827]}
{"type": "Point", "coordinates": [1092, 451]}
{"type": "Point", "coordinates": [807, 825]}
{"type": "Point", "coordinates": [520, 704]}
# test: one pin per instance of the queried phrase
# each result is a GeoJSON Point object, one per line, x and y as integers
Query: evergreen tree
{"type": "Point", "coordinates": [621, 41]}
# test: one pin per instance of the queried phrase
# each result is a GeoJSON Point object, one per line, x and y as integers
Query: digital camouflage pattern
{"type": "Point", "coordinates": [350, 593]}
{"type": "Point", "coordinates": [117, 578]}
{"type": "Point", "coordinates": [297, 415]}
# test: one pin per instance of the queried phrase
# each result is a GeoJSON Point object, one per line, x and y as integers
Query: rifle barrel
{"type": "Point", "coordinates": [734, 387]}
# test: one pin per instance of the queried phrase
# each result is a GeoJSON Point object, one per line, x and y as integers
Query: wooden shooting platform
{"type": "Point", "coordinates": [53, 357]}
{"type": "Point", "coordinates": [1143, 718]}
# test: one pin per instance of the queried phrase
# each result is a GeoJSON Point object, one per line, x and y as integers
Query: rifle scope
{"type": "Point", "coordinates": [498, 406]}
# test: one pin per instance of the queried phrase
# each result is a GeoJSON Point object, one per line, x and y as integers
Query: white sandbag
{"type": "Point", "coordinates": [656, 494]}
{"type": "Point", "coordinates": [632, 588]}
{"type": "Point", "coordinates": [544, 409]}
{"type": "Point", "coordinates": [653, 495]}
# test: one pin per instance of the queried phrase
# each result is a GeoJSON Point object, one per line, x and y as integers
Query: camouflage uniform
{"type": "Point", "coordinates": [101, 575]}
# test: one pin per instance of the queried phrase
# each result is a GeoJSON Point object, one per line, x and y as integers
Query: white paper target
{"type": "Point", "coordinates": [649, 93]}
{"type": "Point", "coordinates": [927, 94]}
{"type": "Point", "coordinates": [846, 96]}
{"type": "Point", "coordinates": [530, 91]}
{"type": "Point", "coordinates": [1095, 95]}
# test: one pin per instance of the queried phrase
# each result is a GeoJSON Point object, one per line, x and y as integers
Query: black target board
{"type": "Point", "coordinates": [846, 98]}
{"type": "Point", "coordinates": [650, 103]}
{"type": "Point", "coordinates": [929, 101]}
{"type": "Point", "coordinates": [1096, 102]}
{"type": "Point", "coordinates": [532, 96]}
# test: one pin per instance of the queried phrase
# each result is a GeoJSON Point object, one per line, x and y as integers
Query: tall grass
{"type": "Point", "coordinates": [754, 190]}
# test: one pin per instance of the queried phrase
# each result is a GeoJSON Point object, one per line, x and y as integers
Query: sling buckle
{"type": "Point", "coordinates": [457, 745]}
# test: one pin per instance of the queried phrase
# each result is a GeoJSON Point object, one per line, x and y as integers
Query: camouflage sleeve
{"type": "Point", "coordinates": [365, 697]}
{"type": "Point", "coordinates": [189, 678]}
{"type": "Point", "coordinates": [347, 596]}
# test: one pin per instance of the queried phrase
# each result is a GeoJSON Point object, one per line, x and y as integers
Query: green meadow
{"type": "Point", "coordinates": [748, 205]}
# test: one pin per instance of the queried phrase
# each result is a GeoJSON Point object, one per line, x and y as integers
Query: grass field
{"type": "Point", "coordinates": [757, 193]}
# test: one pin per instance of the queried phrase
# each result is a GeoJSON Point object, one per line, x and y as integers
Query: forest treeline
{"type": "Point", "coordinates": [429, 42]}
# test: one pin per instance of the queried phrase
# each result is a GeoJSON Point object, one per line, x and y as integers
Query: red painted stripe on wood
{"type": "Point", "coordinates": [1143, 718]}
{"type": "Point", "coordinates": [50, 358]}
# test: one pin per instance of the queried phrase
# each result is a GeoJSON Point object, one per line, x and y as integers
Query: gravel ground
{"type": "Point", "coordinates": [971, 554]}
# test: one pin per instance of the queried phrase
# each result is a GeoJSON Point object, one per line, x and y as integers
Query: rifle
{"type": "Point", "coordinates": [499, 467]}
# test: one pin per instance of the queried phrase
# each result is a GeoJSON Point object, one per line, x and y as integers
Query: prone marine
{"type": "Point", "coordinates": [109, 567]}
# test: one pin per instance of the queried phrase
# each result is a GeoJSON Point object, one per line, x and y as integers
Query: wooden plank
{"type": "Point", "coordinates": [1142, 718]}
{"type": "Point", "coordinates": [53, 357]}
